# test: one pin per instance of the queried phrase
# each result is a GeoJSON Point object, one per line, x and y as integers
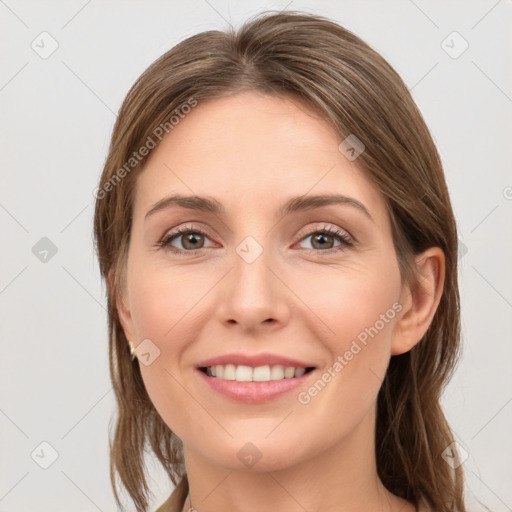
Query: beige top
{"type": "Point", "coordinates": [177, 499]}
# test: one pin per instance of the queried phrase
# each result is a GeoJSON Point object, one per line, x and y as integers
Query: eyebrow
{"type": "Point", "coordinates": [295, 204]}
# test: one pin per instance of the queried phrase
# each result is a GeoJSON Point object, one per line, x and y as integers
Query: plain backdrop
{"type": "Point", "coordinates": [65, 68]}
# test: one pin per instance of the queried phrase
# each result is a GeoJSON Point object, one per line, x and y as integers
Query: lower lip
{"type": "Point", "coordinates": [253, 392]}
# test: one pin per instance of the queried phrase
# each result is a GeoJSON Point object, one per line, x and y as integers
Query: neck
{"type": "Point", "coordinates": [341, 478]}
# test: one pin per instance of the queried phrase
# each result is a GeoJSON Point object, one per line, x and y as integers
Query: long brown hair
{"type": "Point", "coordinates": [358, 92]}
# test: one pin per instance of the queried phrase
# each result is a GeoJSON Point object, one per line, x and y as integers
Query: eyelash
{"type": "Point", "coordinates": [343, 238]}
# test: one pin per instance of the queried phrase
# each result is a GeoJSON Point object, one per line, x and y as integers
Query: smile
{"type": "Point", "coordinates": [243, 373]}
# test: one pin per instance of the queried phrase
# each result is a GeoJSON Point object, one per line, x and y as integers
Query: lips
{"type": "Point", "coordinates": [255, 360]}
{"type": "Point", "coordinates": [255, 378]}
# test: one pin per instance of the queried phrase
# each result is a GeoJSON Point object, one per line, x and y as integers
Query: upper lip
{"type": "Point", "coordinates": [254, 360]}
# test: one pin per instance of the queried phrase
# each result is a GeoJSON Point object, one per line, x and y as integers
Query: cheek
{"type": "Point", "coordinates": [360, 313]}
{"type": "Point", "coordinates": [353, 303]}
{"type": "Point", "coordinates": [164, 308]}
{"type": "Point", "coordinates": [365, 317]}
{"type": "Point", "coordinates": [161, 299]}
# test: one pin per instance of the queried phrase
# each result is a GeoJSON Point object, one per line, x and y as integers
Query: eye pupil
{"type": "Point", "coordinates": [192, 238]}
{"type": "Point", "coordinates": [321, 237]}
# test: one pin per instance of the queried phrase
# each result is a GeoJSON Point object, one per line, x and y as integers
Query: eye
{"type": "Point", "coordinates": [192, 239]}
{"type": "Point", "coordinates": [324, 240]}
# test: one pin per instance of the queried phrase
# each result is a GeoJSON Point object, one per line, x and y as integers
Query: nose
{"type": "Point", "coordinates": [253, 297]}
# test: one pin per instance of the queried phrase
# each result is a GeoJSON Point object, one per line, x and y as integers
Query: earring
{"type": "Point", "coordinates": [132, 350]}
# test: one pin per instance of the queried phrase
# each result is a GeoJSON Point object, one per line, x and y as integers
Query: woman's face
{"type": "Point", "coordinates": [259, 284]}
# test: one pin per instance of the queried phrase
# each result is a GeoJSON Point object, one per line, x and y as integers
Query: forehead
{"type": "Point", "coordinates": [252, 150]}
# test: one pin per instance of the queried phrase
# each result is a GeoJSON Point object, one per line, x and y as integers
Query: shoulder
{"type": "Point", "coordinates": [177, 498]}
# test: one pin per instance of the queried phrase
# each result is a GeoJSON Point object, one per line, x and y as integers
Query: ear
{"type": "Point", "coordinates": [420, 303]}
{"type": "Point", "coordinates": [123, 310]}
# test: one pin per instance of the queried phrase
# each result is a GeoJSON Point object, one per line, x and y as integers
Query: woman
{"type": "Point", "coordinates": [280, 253]}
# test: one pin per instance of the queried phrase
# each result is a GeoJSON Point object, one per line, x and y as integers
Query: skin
{"type": "Point", "coordinates": [253, 152]}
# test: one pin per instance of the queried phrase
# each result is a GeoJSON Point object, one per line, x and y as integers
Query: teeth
{"type": "Point", "coordinates": [289, 372]}
{"type": "Point", "coordinates": [242, 373]}
{"type": "Point", "coordinates": [229, 371]}
{"type": "Point", "coordinates": [277, 372]}
{"type": "Point", "coordinates": [299, 372]}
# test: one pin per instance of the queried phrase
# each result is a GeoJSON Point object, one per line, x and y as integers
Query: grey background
{"type": "Point", "coordinates": [56, 119]}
